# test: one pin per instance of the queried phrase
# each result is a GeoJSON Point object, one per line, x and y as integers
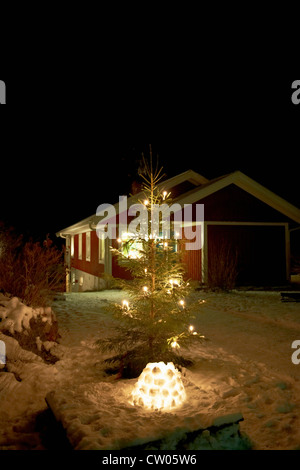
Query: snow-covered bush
{"type": "Point", "coordinates": [35, 329]}
{"type": "Point", "coordinates": [15, 316]}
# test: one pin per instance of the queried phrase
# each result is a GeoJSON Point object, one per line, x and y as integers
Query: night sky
{"type": "Point", "coordinates": [44, 194]}
{"type": "Point", "coordinates": [54, 174]}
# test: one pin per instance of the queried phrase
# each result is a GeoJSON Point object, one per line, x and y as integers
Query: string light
{"type": "Point", "coordinates": [146, 202]}
{"type": "Point", "coordinates": [125, 304]}
{"type": "Point", "coordinates": [175, 345]}
{"type": "Point", "coordinates": [191, 328]}
{"type": "Point", "coordinates": [182, 303]}
{"type": "Point", "coordinates": [145, 289]}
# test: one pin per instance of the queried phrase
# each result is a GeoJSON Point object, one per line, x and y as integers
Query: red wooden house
{"type": "Point", "coordinates": [241, 215]}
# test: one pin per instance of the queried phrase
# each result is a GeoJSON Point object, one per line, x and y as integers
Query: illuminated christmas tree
{"type": "Point", "coordinates": [154, 320]}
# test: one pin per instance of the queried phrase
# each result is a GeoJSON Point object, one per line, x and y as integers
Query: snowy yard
{"type": "Point", "coordinates": [244, 367]}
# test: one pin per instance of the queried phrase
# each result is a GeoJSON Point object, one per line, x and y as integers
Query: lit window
{"type": "Point", "coordinates": [101, 249]}
{"type": "Point", "coordinates": [131, 248]}
{"type": "Point", "coordinates": [80, 246]}
{"type": "Point", "coordinates": [170, 245]}
{"type": "Point", "coordinates": [72, 246]}
{"type": "Point", "coordinates": [88, 246]}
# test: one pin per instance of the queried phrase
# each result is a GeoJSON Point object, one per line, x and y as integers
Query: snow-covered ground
{"type": "Point", "coordinates": [245, 366]}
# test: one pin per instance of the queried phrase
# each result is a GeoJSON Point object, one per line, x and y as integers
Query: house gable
{"type": "Point", "coordinates": [250, 191]}
{"type": "Point", "coordinates": [234, 204]}
{"type": "Point", "coordinates": [178, 186]}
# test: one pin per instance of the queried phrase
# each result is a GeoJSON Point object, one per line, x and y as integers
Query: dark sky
{"type": "Point", "coordinates": [53, 173]}
{"type": "Point", "coordinates": [45, 193]}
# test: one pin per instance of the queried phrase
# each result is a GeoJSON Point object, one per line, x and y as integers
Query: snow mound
{"type": "Point", "coordinates": [15, 316]}
{"type": "Point", "coordinates": [14, 352]}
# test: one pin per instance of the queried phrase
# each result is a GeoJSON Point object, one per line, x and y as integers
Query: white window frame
{"type": "Point", "coordinates": [101, 249]}
{"type": "Point", "coordinates": [80, 246]}
{"type": "Point", "coordinates": [72, 246]}
{"type": "Point", "coordinates": [88, 246]}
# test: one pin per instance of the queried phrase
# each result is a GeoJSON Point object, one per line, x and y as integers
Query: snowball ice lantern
{"type": "Point", "coordinates": [159, 387]}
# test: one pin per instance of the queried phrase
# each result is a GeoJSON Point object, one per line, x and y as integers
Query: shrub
{"type": "Point", "coordinates": [38, 331]}
{"type": "Point", "coordinates": [31, 271]}
{"type": "Point", "coordinates": [223, 266]}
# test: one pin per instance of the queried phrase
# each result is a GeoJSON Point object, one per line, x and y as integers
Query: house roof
{"type": "Point", "coordinates": [201, 188]}
{"type": "Point", "coordinates": [247, 184]}
{"type": "Point", "coordinates": [87, 224]}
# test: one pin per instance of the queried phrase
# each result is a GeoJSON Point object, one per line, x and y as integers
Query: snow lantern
{"type": "Point", "coordinates": [159, 387]}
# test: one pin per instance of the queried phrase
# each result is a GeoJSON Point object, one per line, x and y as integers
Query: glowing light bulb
{"type": "Point", "coordinates": [146, 202]}
{"type": "Point", "coordinates": [146, 270]}
{"type": "Point", "coordinates": [182, 303]}
{"type": "Point", "coordinates": [175, 345]}
{"type": "Point", "coordinates": [191, 328]}
{"type": "Point", "coordinates": [166, 244]}
{"type": "Point", "coordinates": [145, 289]}
{"type": "Point", "coordinates": [165, 194]}
{"type": "Point", "coordinates": [119, 240]}
{"type": "Point", "coordinates": [125, 304]}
